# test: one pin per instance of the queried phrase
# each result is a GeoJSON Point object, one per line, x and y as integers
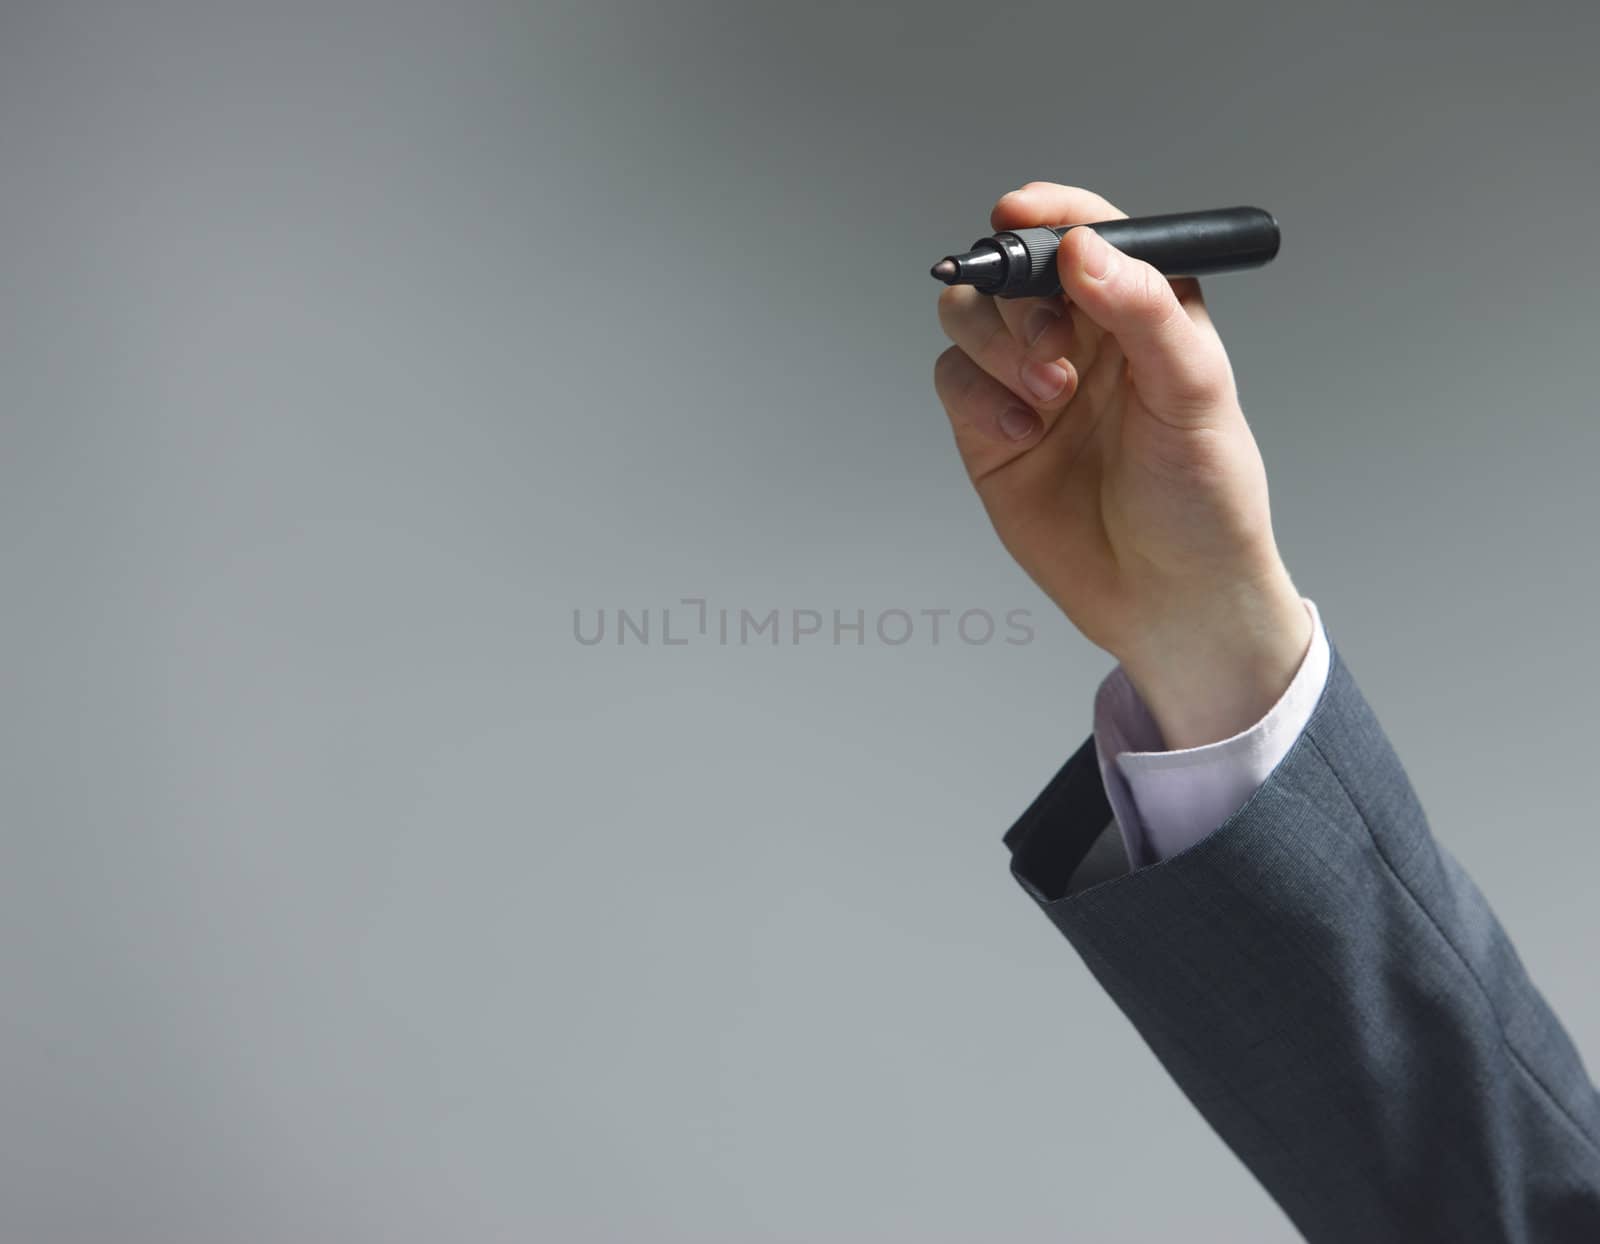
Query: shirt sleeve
{"type": "Point", "coordinates": [1165, 801]}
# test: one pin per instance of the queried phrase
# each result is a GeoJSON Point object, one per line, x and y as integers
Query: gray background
{"type": "Point", "coordinates": [348, 349]}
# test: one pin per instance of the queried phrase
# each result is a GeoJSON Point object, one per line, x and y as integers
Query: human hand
{"type": "Point", "coordinates": [1103, 432]}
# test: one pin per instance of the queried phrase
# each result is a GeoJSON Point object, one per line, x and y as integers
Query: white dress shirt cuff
{"type": "Point", "coordinates": [1165, 801]}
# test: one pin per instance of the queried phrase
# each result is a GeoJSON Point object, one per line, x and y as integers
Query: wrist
{"type": "Point", "coordinates": [1212, 663]}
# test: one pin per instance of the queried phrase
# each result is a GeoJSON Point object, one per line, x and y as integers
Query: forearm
{"type": "Point", "coordinates": [1337, 998]}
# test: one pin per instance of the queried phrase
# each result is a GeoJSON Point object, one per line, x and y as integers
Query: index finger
{"type": "Point", "coordinates": [1046, 203]}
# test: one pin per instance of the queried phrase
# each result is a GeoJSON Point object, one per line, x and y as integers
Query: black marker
{"type": "Point", "coordinates": [1021, 263]}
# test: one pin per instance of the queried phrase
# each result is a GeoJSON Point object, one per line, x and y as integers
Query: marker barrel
{"type": "Point", "coordinates": [1021, 263]}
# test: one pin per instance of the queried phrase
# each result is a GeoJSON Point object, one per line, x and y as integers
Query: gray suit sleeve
{"type": "Point", "coordinates": [1335, 996]}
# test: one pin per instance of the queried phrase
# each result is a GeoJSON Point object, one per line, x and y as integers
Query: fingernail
{"type": "Point", "coordinates": [1018, 422]}
{"type": "Point", "coordinates": [1038, 323]}
{"type": "Point", "coordinates": [1097, 257]}
{"type": "Point", "coordinates": [1044, 380]}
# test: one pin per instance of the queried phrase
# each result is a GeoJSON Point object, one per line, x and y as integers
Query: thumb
{"type": "Point", "coordinates": [1180, 369]}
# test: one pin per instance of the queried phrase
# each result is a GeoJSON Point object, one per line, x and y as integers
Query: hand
{"type": "Point", "coordinates": [1103, 433]}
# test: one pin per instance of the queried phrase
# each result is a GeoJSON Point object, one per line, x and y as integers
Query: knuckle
{"type": "Point", "coordinates": [949, 370]}
{"type": "Point", "coordinates": [1056, 340]}
{"type": "Point", "coordinates": [952, 299]}
{"type": "Point", "coordinates": [997, 342]}
{"type": "Point", "coordinates": [1214, 383]}
{"type": "Point", "coordinates": [1207, 383]}
{"type": "Point", "coordinates": [1150, 295]}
